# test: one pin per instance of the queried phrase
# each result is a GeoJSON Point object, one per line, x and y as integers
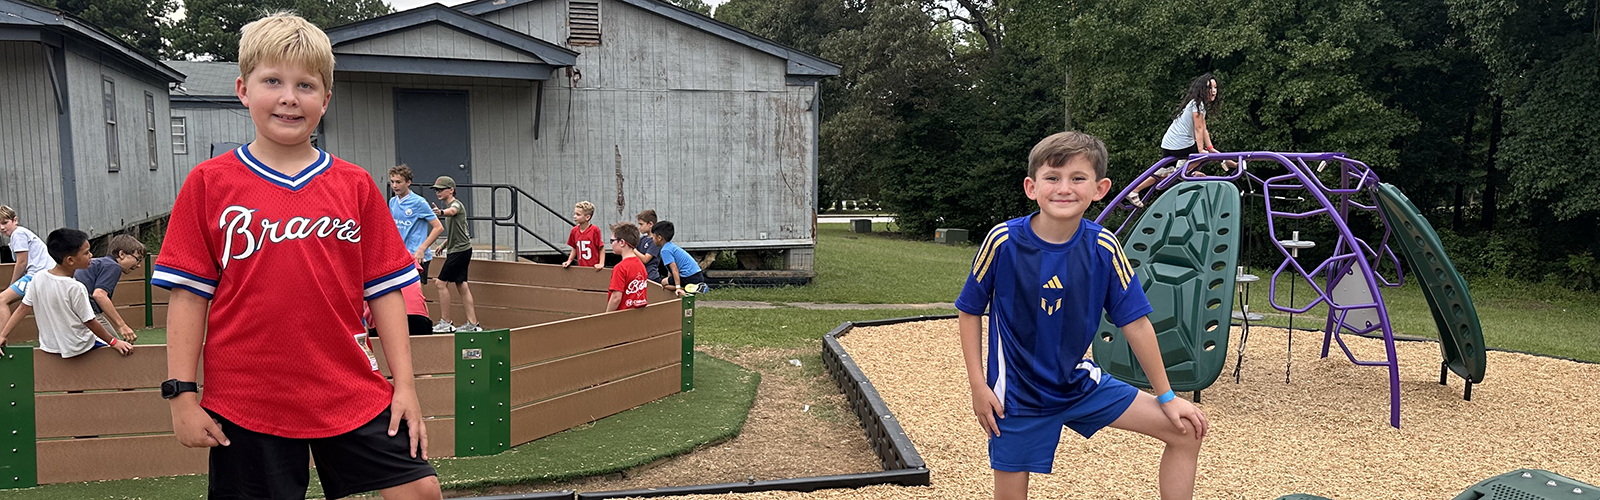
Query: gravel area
{"type": "Point", "coordinates": [1325, 433]}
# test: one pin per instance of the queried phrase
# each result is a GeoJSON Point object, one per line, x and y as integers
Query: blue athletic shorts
{"type": "Point", "coordinates": [1028, 444]}
{"type": "Point", "coordinates": [21, 286]}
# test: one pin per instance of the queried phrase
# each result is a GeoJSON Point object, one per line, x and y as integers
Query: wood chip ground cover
{"type": "Point", "coordinates": [1325, 433]}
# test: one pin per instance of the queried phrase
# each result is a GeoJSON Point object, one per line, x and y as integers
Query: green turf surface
{"type": "Point", "coordinates": [713, 412]}
{"type": "Point", "coordinates": [876, 268]}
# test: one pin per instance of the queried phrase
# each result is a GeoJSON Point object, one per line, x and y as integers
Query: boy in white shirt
{"type": "Point", "coordinates": [30, 256]}
{"type": "Point", "coordinates": [60, 304]}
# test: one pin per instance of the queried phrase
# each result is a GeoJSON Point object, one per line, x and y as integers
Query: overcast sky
{"type": "Point", "coordinates": [400, 5]}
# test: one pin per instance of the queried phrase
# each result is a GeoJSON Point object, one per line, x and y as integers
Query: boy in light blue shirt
{"type": "Point", "coordinates": [681, 269]}
{"type": "Point", "coordinates": [418, 225]}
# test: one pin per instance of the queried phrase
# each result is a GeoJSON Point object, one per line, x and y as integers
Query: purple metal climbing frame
{"type": "Point", "coordinates": [1302, 182]}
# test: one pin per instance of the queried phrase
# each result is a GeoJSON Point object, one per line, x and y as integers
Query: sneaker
{"type": "Point", "coordinates": [469, 327]}
{"type": "Point", "coordinates": [1163, 172]}
{"type": "Point", "coordinates": [1133, 198]}
{"type": "Point", "coordinates": [444, 327]}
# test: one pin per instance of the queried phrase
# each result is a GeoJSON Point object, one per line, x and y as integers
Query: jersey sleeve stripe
{"type": "Point", "coordinates": [393, 281]}
{"type": "Point", "coordinates": [985, 268]}
{"type": "Point", "coordinates": [988, 245]}
{"type": "Point", "coordinates": [1122, 275]}
{"type": "Point", "coordinates": [169, 278]}
{"type": "Point", "coordinates": [1118, 257]}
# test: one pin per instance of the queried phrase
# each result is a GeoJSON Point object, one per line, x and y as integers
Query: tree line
{"type": "Point", "coordinates": [1486, 113]}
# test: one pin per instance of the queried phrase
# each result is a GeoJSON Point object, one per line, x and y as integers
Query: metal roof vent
{"type": "Point", "coordinates": [583, 23]}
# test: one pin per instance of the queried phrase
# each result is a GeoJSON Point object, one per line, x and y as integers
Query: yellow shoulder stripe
{"type": "Point", "coordinates": [991, 244]}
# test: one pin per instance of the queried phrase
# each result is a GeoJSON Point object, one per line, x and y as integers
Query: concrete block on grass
{"type": "Point", "coordinates": [860, 225]}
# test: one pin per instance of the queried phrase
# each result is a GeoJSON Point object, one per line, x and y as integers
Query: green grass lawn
{"type": "Point", "coordinates": [880, 268]}
{"type": "Point", "coordinates": [871, 269]}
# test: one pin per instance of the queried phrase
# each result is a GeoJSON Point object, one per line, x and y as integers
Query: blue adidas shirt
{"type": "Point", "coordinates": [411, 215]}
{"type": "Point", "coordinates": [671, 253]}
{"type": "Point", "coordinates": [1045, 301]}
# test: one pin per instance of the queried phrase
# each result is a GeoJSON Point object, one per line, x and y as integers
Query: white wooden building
{"type": "Point", "coordinates": [84, 118]}
{"type": "Point", "coordinates": [629, 104]}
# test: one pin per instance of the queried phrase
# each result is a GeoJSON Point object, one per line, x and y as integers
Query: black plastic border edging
{"type": "Point", "coordinates": [543, 495]}
{"type": "Point", "coordinates": [903, 477]}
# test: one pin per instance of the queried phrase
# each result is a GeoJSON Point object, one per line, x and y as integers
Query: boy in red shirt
{"type": "Point", "coordinates": [628, 279]}
{"type": "Point", "coordinates": [585, 239]}
{"type": "Point", "coordinates": [284, 243]}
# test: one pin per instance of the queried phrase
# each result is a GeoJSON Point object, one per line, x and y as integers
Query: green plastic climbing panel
{"type": "Point", "coordinates": [1530, 484]}
{"type": "Point", "coordinates": [1460, 334]}
{"type": "Point", "coordinates": [1184, 251]}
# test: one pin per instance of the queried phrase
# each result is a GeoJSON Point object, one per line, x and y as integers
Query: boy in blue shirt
{"type": "Point", "coordinates": [1045, 279]}
{"type": "Point", "coordinates": [680, 268]}
{"type": "Point", "coordinates": [415, 219]}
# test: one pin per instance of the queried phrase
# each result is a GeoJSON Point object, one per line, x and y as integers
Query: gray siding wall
{"type": "Point", "coordinates": [434, 40]}
{"type": "Point", "coordinates": [641, 50]}
{"type": "Point", "coordinates": [703, 130]}
{"type": "Point", "coordinates": [30, 164]}
{"type": "Point", "coordinates": [206, 126]}
{"type": "Point", "coordinates": [108, 201]}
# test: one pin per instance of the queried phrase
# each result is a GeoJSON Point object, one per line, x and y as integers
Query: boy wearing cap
{"type": "Point", "coordinates": [458, 254]}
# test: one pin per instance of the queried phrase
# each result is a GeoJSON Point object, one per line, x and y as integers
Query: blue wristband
{"type": "Point", "coordinates": [1165, 397]}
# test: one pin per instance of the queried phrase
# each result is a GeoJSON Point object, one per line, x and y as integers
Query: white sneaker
{"type": "Point", "coordinates": [1133, 198]}
{"type": "Point", "coordinates": [444, 327]}
{"type": "Point", "coordinates": [1163, 172]}
{"type": "Point", "coordinates": [469, 327]}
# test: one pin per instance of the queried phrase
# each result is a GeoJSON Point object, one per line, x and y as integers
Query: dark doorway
{"type": "Point", "coordinates": [432, 136]}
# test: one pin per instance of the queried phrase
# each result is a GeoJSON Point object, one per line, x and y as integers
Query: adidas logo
{"type": "Point", "coordinates": [1050, 309]}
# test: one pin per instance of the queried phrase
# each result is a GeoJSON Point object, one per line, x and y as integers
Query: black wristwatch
{"type": "Point", "coordinates": [172, 388]}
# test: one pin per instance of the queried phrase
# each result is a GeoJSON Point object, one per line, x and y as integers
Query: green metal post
{"type": "Point", "coordinates": [149, 294]}
{"type": "Point", "coordinates": [483, 392]}
{"type": "Point", "coordinates": [688, 344]}
{"type": "Point", "coordinates": [19, 466]}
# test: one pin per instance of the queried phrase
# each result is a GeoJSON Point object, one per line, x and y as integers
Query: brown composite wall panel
{"type": "Point", "coordinates": [131, 293]}
{"type": "Point", "coordinates": [437, 395]}
{"type": "Point", "coordinates": [441, 437]}
{"type": "Point", "coordinates": [73, 460]}
{"type": "Point", "coordinates": [100, 369]}
{"type": "Point", "coordinates": [26, 330]}
{"type": "Point", "coordinates": [534, 298]}
{"type": "Point", "coordinates": [101, 414]}
{"type": "Point", "coordinates": [499, 317]}
{"type": "Point", "coordinates": [545, 275]}
{"type": "Point", "coordinates": [555, 415]}
{"type": "Point", "coordinates": [545, 380]}
{"type": "Point", "coordinates": [430, 354]}
{"type": "Point", "coordinates": [568, 337]}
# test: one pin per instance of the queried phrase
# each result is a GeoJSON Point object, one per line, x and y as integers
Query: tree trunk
{"type": "Point", "coordinates": [1465, 169]}
{"type": "Point", "coordinates": [1491, 178]}
{"type": "Point", "coordinates": [1066, 101]}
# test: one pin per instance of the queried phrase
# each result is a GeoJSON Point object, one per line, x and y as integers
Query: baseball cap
{"type": "Point", "coordinates": [444, 182]}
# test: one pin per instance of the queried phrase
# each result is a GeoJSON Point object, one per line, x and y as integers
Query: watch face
{"type": "Point", "coordinates": [169, 389]}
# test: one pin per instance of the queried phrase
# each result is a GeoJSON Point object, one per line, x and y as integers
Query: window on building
{"type": "Point", "coordinates": [108, 90]}
{"type": "Point", "coordinates": [180, 136]}
{"type": "Point", "coordinates": [150, 128]}
{"type": "Point", "coordinates": [583, 23]}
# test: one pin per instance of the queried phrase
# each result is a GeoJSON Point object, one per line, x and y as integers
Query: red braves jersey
{"type": "Point", "coordinates": [588, 244]}
{"type": "Point", "coordinates": [630, 279]}
{"type": "Point", "coordinates": [287, 263]}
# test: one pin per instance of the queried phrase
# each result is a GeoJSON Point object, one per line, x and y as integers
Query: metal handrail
{"type": "Point", "coordinates": [512, 219]}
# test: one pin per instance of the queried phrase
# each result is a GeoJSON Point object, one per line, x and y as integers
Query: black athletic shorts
{"type": "Point", "coordinates": [696, 278]}
{"type": "Point", "coordinates": [1181, 153]}
{"type": "Point", "coordinates": [455, 267]}
{"type": "Point", "coordinates": [263, 466]}
{"type": "Point", "coordinates": [418, 324]}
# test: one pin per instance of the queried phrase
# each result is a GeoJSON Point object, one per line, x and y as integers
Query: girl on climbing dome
{"type": "Point", "coordinates": [1188, 133]}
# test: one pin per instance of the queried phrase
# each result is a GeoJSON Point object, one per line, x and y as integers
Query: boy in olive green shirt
{"type": "Point", "coordinates": [458, 246]}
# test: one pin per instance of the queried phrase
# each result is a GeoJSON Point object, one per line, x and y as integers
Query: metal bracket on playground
{"type": "Point", "coordinates": [1347, 281]}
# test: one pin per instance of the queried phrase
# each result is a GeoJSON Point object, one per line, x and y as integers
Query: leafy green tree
{"type": "Point", "coordinates": [210, 28]}
{"type": "Point", "coordinates": [137, 22]}
{"type": "Point", "coordinates": [699, 6]}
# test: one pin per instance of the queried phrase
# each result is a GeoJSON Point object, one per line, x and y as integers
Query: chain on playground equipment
{"type": "Point", "coordinates": [1338, 187]}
